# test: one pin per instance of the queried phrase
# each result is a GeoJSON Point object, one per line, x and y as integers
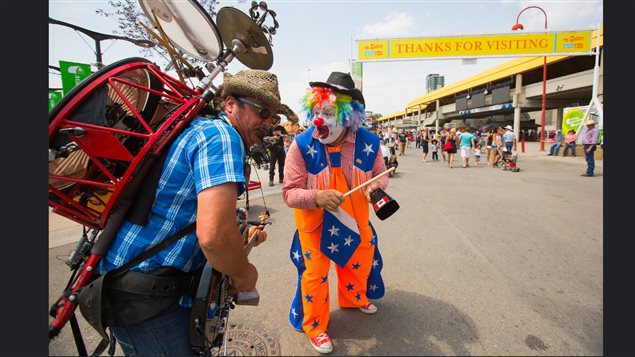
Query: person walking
{"type": "Point", "coordinates": [277, 135]}
{"type": "Point", "coordinates": [590, 142]}
{"type": "Point", "coordinates": [334, 155]}
{"type": "Point", "coordinates": [477, 154]}
{"type": "Point", "coordinates": [385, 151]}
{"type": "Point", "coordinates": [392, 161]}
{"type": "Point", "coordinates": [553, 150]}
{"type": "Point", "coordinates": [467, 143]}
{"type": "Point", "coordinates": [425, 137]}
{"type": "Point", "coordinates": [203, 174]}
{"type": "Point", "coordinates": [442, 138]}
{"type": "Point", "coordinates": [497, 143]}
{"type": "Point", "coordinates": [450, 146]}
{"type": "Point", "coordinates": [402, 142]}
{"type": "Point", "coordinates": [435, 150]}
{"type": "Point", "coordinates": [489, 146]}
{"type": "Point", "coordinates": [508, 138]}
{"type": "Point", "coordinates": [569, 143]}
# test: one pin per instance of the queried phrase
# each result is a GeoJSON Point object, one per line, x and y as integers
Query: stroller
{"type": "Point", "coordinates": [507, 161]}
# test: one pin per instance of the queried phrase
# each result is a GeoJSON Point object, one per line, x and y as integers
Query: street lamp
{"type": "Point", "coordinates": [519, 26]}
{"type": "Point", "coordinates": [98, 37]}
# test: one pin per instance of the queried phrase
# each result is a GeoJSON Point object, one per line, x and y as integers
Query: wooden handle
{"type": "Point", "coordinates": [369, 181]}
{"type": "Point", "coordinates": [251, 240]}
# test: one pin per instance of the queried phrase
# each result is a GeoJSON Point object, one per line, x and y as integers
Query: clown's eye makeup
{"type": "Point", "coordinates": [326, 112]}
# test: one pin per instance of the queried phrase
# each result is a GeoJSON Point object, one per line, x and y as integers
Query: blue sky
{"type": "Point", "coordinates": [315, 38]}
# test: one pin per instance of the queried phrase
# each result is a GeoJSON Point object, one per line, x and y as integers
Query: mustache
{"type": "Point", "coordinates": [260, 133]}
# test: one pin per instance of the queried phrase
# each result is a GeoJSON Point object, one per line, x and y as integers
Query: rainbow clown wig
{"type": "Point", "coordinates": [349, 112]}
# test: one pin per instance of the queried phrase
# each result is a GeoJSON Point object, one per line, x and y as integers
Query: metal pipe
{"type": "Point", "coordinates": [519, 26]}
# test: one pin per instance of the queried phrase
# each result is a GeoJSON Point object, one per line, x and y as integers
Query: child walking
{"type": "Point", "coordinates": [477, 154]}
{"type": "Point", "coordinates": [435, 148]}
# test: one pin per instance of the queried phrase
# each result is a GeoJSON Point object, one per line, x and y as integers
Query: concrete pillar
{"type": "Point", "coordinates": [558, 119]}
{"type": "Point", "coordinates": [437, 112]}
{"type": "Point", "coordinates": [516, 104]}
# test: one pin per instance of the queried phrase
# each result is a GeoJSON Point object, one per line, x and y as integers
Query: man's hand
{"type": "Point", "coordinates": [329, 199]}
{"type": "Point", "coordinates": [247, 281]}
{"type": "Point", "coordinates": [371, 187]}
{"type": "Point", "coordinates": [260, 238]}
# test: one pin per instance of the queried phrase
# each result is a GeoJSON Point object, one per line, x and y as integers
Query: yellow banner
{"type": "Point", "coordinates": [476, 46]}
{"type": "Point", "coordinates": [372, 49]}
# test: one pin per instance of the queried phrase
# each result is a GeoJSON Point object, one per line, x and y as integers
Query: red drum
{"type": "Point", "coordinates": [102, 132]}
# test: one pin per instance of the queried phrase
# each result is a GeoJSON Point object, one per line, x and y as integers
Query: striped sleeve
{"type": "Point", "coordinates": [294, 192]}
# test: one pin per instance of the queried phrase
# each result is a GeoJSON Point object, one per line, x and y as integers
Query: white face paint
{"type": "Point", "coordinates": [325, 122]}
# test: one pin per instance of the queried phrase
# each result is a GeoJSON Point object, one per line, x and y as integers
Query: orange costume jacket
{"type": "Point", "coordinates": [345, 237]}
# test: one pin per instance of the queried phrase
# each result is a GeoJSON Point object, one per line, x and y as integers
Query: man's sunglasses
{"type": "Point", "coordinates": [263, 112]}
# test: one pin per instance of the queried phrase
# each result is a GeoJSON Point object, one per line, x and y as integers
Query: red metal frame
{"type": "Point", "coordinates": [253, 185]}
{"type": "Point", "coordinates": [102, 142]}
{"type": "Point", "coordinates": [100, 176]}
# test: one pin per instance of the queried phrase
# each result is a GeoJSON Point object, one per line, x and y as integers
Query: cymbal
{"type": "Point", "coordinates": [234, 24]}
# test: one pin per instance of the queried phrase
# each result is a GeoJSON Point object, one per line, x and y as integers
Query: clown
{"type": "Point", "coordinates": [334, 155]}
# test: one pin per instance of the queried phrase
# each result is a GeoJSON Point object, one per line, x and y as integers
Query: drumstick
{"type": "Point", "coordinates": [165, 44]}
{"type": "Point", "coordinates": [369, 181]}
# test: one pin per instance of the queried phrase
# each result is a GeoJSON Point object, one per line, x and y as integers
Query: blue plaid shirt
{"type": "Point", "coordinates": [209, 152]}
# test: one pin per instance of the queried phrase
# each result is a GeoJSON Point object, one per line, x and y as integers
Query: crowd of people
{"type": "Point", "coordinates": [446, 143]}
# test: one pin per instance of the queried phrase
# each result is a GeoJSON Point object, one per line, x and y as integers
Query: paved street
{"type": "Point", "coordinates": [477, 261]}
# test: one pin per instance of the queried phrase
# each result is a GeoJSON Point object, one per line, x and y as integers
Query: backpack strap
{"type": "Point", "coordinates": [152, 250]}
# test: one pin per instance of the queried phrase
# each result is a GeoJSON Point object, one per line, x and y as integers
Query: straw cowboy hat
{"type": "Point", "coordinates": [509, 127]}
{"type": "Point", "coordinates": [341, 83]}
{"type": "Point", "coordinates": [289, 113]}
{"type": "Point", "coordinates": [590, 122]}
{"type": "Point", "coordinates": [253, 83]}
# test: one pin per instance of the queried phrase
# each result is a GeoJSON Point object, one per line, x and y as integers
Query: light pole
{"type": "Point", "coordinates": [98, 37]}
{"type": "Point", "coordinates": [519, 26]}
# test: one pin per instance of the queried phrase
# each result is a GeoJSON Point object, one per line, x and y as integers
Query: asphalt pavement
{"type": "Point", "coordinates": [477, 261]}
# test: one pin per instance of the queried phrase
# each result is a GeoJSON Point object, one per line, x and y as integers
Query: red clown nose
{"type": "Point", "coordinates": [318, 121]}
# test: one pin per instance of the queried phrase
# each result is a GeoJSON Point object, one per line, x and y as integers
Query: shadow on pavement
{"type": "Point", "coordinates": [407, 324]}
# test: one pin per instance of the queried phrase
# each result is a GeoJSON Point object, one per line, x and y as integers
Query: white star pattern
{"type": "Point", "coordinates": [375, 262]}
{"type": "Point", "coordinates": [295, 314]}
{"type": "Point", "coordinates": [373, 287]}
{"type": "Point", "coordinates": [312, 151]}
{"type": "Point", "coordinates": [333, 231]}
{"type": "Point", "coordinates": [368, 149]}
{"type": "Point", "coordinates": [296, 255]}
{"type": "Point", "coordinates": [333, 247]}
{"type": "Point", "coordinates": [348, 240]}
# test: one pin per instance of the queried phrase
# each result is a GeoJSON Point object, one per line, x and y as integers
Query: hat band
{"type": "Point", "coordinates": [338, 86]}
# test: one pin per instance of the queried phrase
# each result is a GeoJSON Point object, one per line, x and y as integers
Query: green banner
{"type": "Point", "coordinates": [73, 73]}
{"type": "Point", "coordinates": [54, 97]}
{"type": "Point", "coordinates": [571, 118]}
{"type": "Point", "coordinates": [357, 72]}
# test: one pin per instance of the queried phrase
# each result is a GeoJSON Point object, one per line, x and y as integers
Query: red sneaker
{"type": "Point", "coordinates": [322, 343]}
{"type": "Point", "coordinates": [369, 308]}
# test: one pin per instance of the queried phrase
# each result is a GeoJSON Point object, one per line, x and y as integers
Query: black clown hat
{"type": "Point", "coordinates": [341, 83]}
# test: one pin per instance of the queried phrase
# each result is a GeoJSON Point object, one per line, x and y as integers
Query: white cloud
{"type": "Point", "coordinates": [561, 15]}
{"type": "Point", "coordinates": [394, 24]}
